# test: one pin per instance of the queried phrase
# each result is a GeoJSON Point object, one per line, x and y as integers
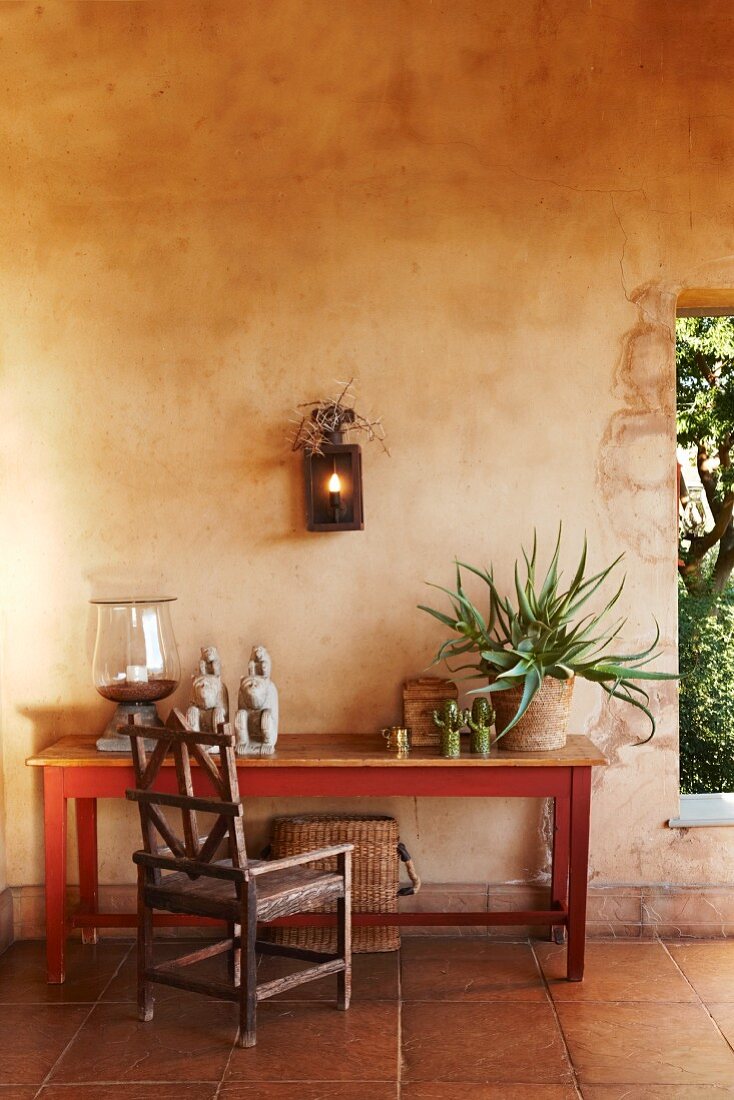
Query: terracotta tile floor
{"type": "Point", "coordinates": [447, 1019]}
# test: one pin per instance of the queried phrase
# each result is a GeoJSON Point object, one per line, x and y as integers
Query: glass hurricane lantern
{"type": "Point", "coordinates": [135, 662]}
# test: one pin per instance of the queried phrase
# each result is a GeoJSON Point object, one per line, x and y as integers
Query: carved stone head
{"type": "Point", "coordinates": [205, 691]}
{"type": "Point", "coordinates": [254, 692]}
{"type": "Point", "coordinates": [260, 661]}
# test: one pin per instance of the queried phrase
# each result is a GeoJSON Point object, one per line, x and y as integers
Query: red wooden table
{"type": "Point", "coordinates": [342, 765]}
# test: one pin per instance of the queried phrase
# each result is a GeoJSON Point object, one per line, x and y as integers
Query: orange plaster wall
{"type": "Point", "coordinates": [485, 213]}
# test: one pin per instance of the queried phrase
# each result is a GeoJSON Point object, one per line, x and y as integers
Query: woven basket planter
{"type": "Point", "coordinates": [543, 725]}
{"type": "Point", "coordinates": [420, 698]}
{"type": "Point", "coordinates": [375, 874]}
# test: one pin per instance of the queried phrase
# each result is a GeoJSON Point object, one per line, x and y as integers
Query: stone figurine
{"type": "Point", "coordinates": [450, 720]}
{"type": "Point", "coordinates": [211, 665]}
{"type": "Point", "coordinates": [256, 721]}
{"type": "Point", "coordinates": [206, 713]}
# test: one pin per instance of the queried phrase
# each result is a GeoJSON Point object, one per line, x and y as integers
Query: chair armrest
{"type": "Point", "coordinates": [299, 858]}
{"type": "Point", "coordinates": [190, 866]}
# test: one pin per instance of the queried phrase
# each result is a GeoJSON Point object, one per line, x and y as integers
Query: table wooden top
{"type": "Point", "coordinates": [335, 750]}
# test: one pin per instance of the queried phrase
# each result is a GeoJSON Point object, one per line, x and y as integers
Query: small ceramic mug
{"type": "Point", "coordinates": [398, 738]}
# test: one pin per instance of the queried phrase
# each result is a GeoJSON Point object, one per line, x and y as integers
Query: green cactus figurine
{"type": "Point", "coordinates": [451, 725]}
{"type": "Point", "coordinates": [479, 722]}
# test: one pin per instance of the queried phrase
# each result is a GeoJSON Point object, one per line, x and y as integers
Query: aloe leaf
{"type": "Point", "coordinates": [495, 686]}
{"type": "Point", "coordinates": [576, 605]}
{"type": "Point", "coordinates": [533, 681]}
{"type": "Point", "coordinates": [492, 615]}
{"type": "Point", "coordinates": [579, 574]}
{"type": "Point", "coordinates": [612, 672]}
{"type": "Point", "coordinates": [483, 574]}
{"type": "Point", "coordinates": [601, 574]}
{"type": "Point", "coordinates": [573, 600]}
{"type": "Point", "coordinates": [455, 648]}
{"type": "Point", "coordinates": [643, 653]}
{"type": "Point", "coordinates": [498, 658]}
{"type": "Point", "coordinates": [560, 672]}
{"type": "Point", "coordinates": [551, 578]}
{"type": "Point", "coordinates": [534, 606]}
{"type": "Point", "coordinates": [445, 619]}
{"type": "Point", "coordinates": [461, 668]}
{"type": "Point", "coordinates": [520, 669]}
{"type": "Point", "coordinates": [627, 698]}
{"type": "Point", "coordinates": [528, 566]}
{"type": "Point", "coordinates": [501, 626]}
{"type": "Point", "coordinates": [525, 609]}
{"type": "Point", "coordinates": [455, 605]}
{"type": "Point", "coordinates": [463, 603]}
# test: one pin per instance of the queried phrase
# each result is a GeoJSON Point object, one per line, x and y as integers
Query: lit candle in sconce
{"type": "Point", "coordinates": [136, 674]}
{"type": "Point", "coordinates": [334, 488]}
{"type": "Point", "coordinates": [335, 493]}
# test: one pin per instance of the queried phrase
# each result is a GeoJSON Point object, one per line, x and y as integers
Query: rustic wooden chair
{"type": "Point", "coordinates": [183, 875]}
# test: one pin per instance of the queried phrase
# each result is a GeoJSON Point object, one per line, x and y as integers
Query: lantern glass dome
{"type": "Point", "coordinates": [135, 655]}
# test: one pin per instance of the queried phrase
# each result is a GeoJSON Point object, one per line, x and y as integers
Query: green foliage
{"type": "Point", "coordinates": [704, 356]}
{"type": "Point", "coordinates": [706, 654]}
{"type": "Point", "coordinates": [544, 634]}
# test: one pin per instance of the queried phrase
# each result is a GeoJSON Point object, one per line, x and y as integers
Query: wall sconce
{"type": "Point", "coordinates": [332, 467]}
{"type": "Point", "coordinates": [334, 487]}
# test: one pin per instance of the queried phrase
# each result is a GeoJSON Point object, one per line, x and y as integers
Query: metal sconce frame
{"type": "Point", "coordinates": [334, 487]}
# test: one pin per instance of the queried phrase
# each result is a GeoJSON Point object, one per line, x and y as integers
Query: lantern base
{"type": "Point", "coordinates": [113, 741]}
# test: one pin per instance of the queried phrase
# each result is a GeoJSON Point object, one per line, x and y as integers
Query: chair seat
{"type": "Point", "coordinates": [279, 894]}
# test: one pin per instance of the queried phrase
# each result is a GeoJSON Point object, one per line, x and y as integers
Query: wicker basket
{"type": "Point", "coordinates": [375, 874]}
{"type": "Point", "coordinates": [543, 725]}
{"type": "Point", "coordinates": [420, 699]}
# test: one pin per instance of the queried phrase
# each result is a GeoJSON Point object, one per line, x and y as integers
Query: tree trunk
{"type": "Point", "coordinates": [724, 561]}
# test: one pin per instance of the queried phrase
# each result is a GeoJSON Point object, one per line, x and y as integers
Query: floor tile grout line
{"type": "Point", "coordinates": [701, 1001]}
{"type": "Point", "coordinates": [119, 966]}
{"type": "Point", "coordinates": [557, 1019]}
{"type": "Point", "coordinates": [81, 1025]}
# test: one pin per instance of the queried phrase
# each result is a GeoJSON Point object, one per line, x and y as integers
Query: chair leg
{"type": "Point", "coordinates": [145, 952]}
{"type": "Point", "coordinates": [235, 968]}
{"type": "Point", "coordinates": [247, 1036]}
{"type": "Point", "coordinates": [344, 933]}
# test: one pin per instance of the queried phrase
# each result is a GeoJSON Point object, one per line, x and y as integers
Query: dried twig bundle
{"type": "Point", "coordinates": [334, 414]}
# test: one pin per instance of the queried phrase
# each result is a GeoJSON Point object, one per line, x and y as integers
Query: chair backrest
{"type": "Point", "coordinates": [189, 850]}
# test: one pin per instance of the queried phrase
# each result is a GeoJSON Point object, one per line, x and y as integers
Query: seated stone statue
{"type": "Point", "coordinates": [256, 721]}
{"type": "Point", "coordinates": [206, 713]}
{"type": "Point", "coordinates": [211, 665]}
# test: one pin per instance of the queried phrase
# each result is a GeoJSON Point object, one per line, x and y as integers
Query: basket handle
{"type": "Point", "coordinates": [415, 879]}
{"type": "Point", "coordinates": [403, 891]}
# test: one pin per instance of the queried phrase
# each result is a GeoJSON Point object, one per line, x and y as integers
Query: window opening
{"type": "Point", "coordinates": [705, 457]}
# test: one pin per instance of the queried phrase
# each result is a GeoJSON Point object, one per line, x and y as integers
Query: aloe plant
{"type": "Point", "coordinates": [544, 633]}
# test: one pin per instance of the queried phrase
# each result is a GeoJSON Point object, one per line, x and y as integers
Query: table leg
{"type": "Point", "coordinates": [86, 831]}
{"type": "Point", "coordinates": [559, 872]}
{"type": "Point", "coordinates": [54, 816]}
{"type": "Point", "coordinates": [578, 871]}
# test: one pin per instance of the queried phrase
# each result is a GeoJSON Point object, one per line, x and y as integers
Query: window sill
{"type": "Point", "coordinates": [701, 810]}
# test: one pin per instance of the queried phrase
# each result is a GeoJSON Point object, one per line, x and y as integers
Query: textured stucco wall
{"type": "Point", "coordinates": [484, 212]}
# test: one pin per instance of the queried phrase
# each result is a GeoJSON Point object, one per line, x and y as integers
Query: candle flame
{"type": "Point", "coordinates": [335, 484]}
